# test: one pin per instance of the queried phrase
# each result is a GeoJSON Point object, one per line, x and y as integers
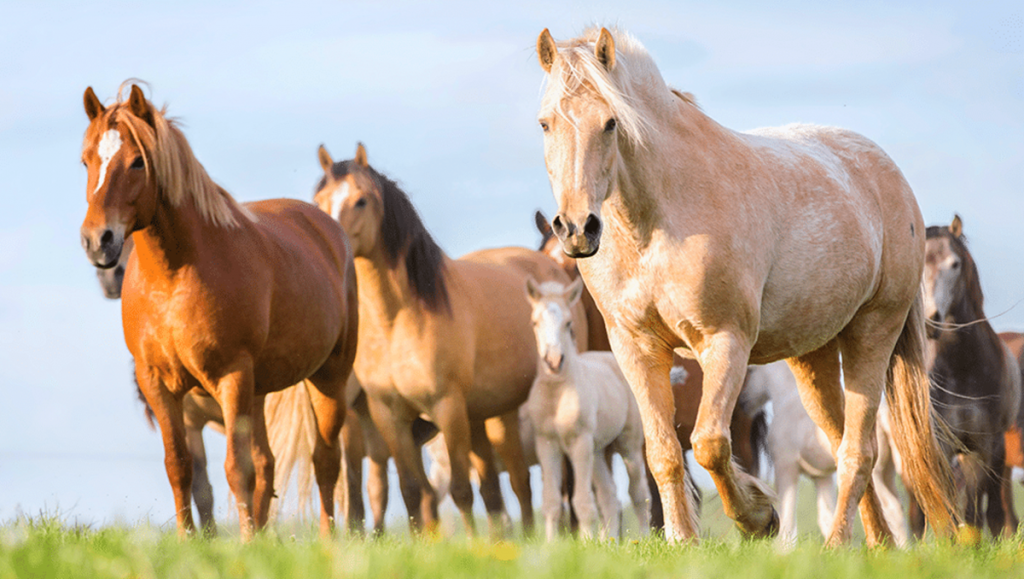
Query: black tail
{"type": "Point", "coordinates": [150, 417]}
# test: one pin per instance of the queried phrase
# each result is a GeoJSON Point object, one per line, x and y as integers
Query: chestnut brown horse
{"type": "Point", "coordinates": [1015, 435]}
{"type": "Point", "coordinates": [447, 339]}
{"type": "Point", "coordinates": [237, 300]}
{"type": "Point", "coordinates": [976, 380]}
{"type": "Point", "coordinates": [799, 243]}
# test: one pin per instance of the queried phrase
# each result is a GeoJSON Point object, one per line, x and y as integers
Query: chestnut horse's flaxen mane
{"type": "Point", "coordinates": [169, 159]}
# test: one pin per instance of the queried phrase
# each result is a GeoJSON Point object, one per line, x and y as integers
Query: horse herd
{"type": "Point", "coordinates": [674, 235]}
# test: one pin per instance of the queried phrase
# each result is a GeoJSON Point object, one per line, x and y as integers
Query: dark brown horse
{"type": "Point", "coordinates": [976, 382]}
{"type": "Point", "coordinates": [237, 300]}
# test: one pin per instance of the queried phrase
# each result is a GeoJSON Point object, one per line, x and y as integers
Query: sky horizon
{"type": "Point", "coordinates": [445, 100]}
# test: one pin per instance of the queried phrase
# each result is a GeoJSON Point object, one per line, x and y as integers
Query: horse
{"type": "Point", "coordinates": [239, 300]}
{"type": "Point", "coordinates": [581, 407]}
{"type": "Point", "coordinates": [797, 446]}
{"type": "Point", "coordinates": [446, 339]}
{"type": "Point", "coordinates": [686, 383]}
{"type": "Point", "coordinates": [1014, 436]}
{"type": "Point", "coordinates": [977, 381]}
{"type": "Point", "coordinates": [798, 243]}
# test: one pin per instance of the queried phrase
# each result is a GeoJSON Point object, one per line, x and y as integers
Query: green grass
{"type": "Point", "coordinates": [46, 547]}
{"type": "Point", "coordinates": [50, 546]}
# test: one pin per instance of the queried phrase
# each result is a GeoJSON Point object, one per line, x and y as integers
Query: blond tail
{"type": "Point", "coordinates": [291, 428]}
{"type": "Point", "coordinates": [917, 429]}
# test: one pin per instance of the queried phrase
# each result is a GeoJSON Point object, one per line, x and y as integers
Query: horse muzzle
{"type": "Point", "coordinates": [578, 242]}
{"type": "Point", "coordinates": [102, 247]}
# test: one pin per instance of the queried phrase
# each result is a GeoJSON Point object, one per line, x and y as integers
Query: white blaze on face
{"type": "Point", "coordinates": [109, 145]}
{"type": "Point", "coordinates": [338, 199]}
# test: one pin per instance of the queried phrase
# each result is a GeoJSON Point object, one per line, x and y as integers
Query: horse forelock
{"type": "Point", "coordinates": [578, 68]}
{"type": "Point", "coordinates": [169, 159]}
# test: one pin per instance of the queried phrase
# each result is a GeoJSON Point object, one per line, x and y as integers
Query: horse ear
{"type": "Point", "coordinates": [326, 162]}
{"type": "Point", "coordinates": [361, 156]}
{"type": "Point", "coordinates": [546, 50]}
{"type": "Point", "coordinates": [139, 107]}
{"type": "Point", "coordinates": [957, 227]}
{"type": "Point", "coordinates": [532, 290]}
{"type": "Point", "coordinates": [93, 106]}
{"type": "Point", "coordinates": [605, 49]}
{"type": "Point", "coordinates": [542, 224]}
{"type": "Point", "coordinates": [574, 291]}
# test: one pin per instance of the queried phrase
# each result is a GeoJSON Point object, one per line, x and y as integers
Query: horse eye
{"type": "Point", "coordinates": [609, 126]}
{"type": "Point", "coordinates": [956, 265]}
{"type": "Point", "coordinates": [361, 202]}
{"type": "Point", "coordinates": [138, 163]}
{"type": "Point", "coordinates": [544, 126]}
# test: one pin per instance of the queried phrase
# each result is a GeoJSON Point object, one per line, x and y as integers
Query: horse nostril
{"type": "Point", "coordinates": [85, 242]}
{"type": "Point", "coordinates": [107, 237]}
{"type": "Point", "coordinates": [558, 225]}
{"type": "Point", "coordinates": [592, 226]}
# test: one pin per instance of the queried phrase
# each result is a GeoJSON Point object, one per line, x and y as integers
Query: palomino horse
{"type": "Point", "coordinates": [1015, 435]}
{"type": "Point", "coordinates": [796, 243]}
{"type": "Point", "coordinates": [580, 407]}
{"type": "Point", "coordinates": [977, 382]}
{"type": "Point", "coordinates": [447, 339]}
{"type": "Point", "coordinates": [238, 300]}
{"type": "Point", "coordinates": [797, 446]}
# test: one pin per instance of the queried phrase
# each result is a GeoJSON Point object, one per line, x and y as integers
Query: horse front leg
{"type": "Point", "coordinates": [549, 455]}
{"type": "Point", "coordinates": [482, 458]}
{"type": "Point", "coordinates": [202, 490]}
{"type": "Point", "coordinates": [646, 367]}
{"type": "Point", "coordinates": [451, 417]}
{"type": "Point", "coordinates": [353, 451]}
{"type": "Point", "coordinates": [395, 427]}
{"type": "Point", "coordinates": [745, 499]}
{"type": "Point", "coordinates": [177, 458]}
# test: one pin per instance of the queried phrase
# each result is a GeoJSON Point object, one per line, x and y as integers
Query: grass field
{"type": "Point", "coordinates": [47, 546]}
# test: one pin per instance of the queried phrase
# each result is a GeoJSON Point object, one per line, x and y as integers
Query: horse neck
{"type": "Point", "coordinates": [667, 163]}
{"type": "Point", "coordinates": [171, 240]}
{"type": "Point", "coordinates": [384, 291]}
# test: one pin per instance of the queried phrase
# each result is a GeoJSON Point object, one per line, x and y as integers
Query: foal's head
{"type": "Point", "coordinates": [552, 305]}
{"type": "Point", "coordinates": [951, 285]}
{"type": "Point", "coordinates": [121, 189]}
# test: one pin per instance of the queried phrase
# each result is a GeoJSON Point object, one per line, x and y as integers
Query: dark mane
{"type": "Point", "coordinates": [403, 233]}
{"type": "Point", "coordinates": [969, 271]}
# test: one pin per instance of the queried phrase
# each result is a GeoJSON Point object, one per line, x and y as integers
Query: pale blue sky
{"type": "Point", "coordinates": [445, 98]}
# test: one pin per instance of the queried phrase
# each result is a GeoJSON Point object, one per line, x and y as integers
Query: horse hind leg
{"type": "Point", "coordinates": [202, 490]}
{"type": "Point", "coordinates": [395, 427]}
{"type": "Point", "coordinates": [503, 431]}
{"type": "Point", "coordinates": [639, 491]}
{"type": "Point", "coordinates": [353, 450]}
{"type": "Point", "coordinates": [327, 397]}
{"type": "Point", "coordinates": [607, 501]}
{"type": "Point", "coordinates": [482, 459]}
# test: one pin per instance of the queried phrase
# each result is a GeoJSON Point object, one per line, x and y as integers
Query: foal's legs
{"type": "Point", "coordinates": [549, 454]}
{"type": "Point", "coordinates": [607, 500]}
{"type": "Point", "coordinates": [582, 455]}
{"type": "Point", "coordinates": [646, 368]}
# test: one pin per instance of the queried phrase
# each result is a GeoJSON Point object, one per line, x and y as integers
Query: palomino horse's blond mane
{"type": "Point", "coordinates": [621, 87]}
{"type": "Point", "coordinates": [169, 158]}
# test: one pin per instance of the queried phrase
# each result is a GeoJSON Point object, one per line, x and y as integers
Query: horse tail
{"type": "Point", "coordinates": [919, 433]}
{"type": "Point", "coordinates": [291, 428]}
{"type": "Point", "coordinates": [150, 417]}
{"type": "Point", "coordinates": [759, 440]}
